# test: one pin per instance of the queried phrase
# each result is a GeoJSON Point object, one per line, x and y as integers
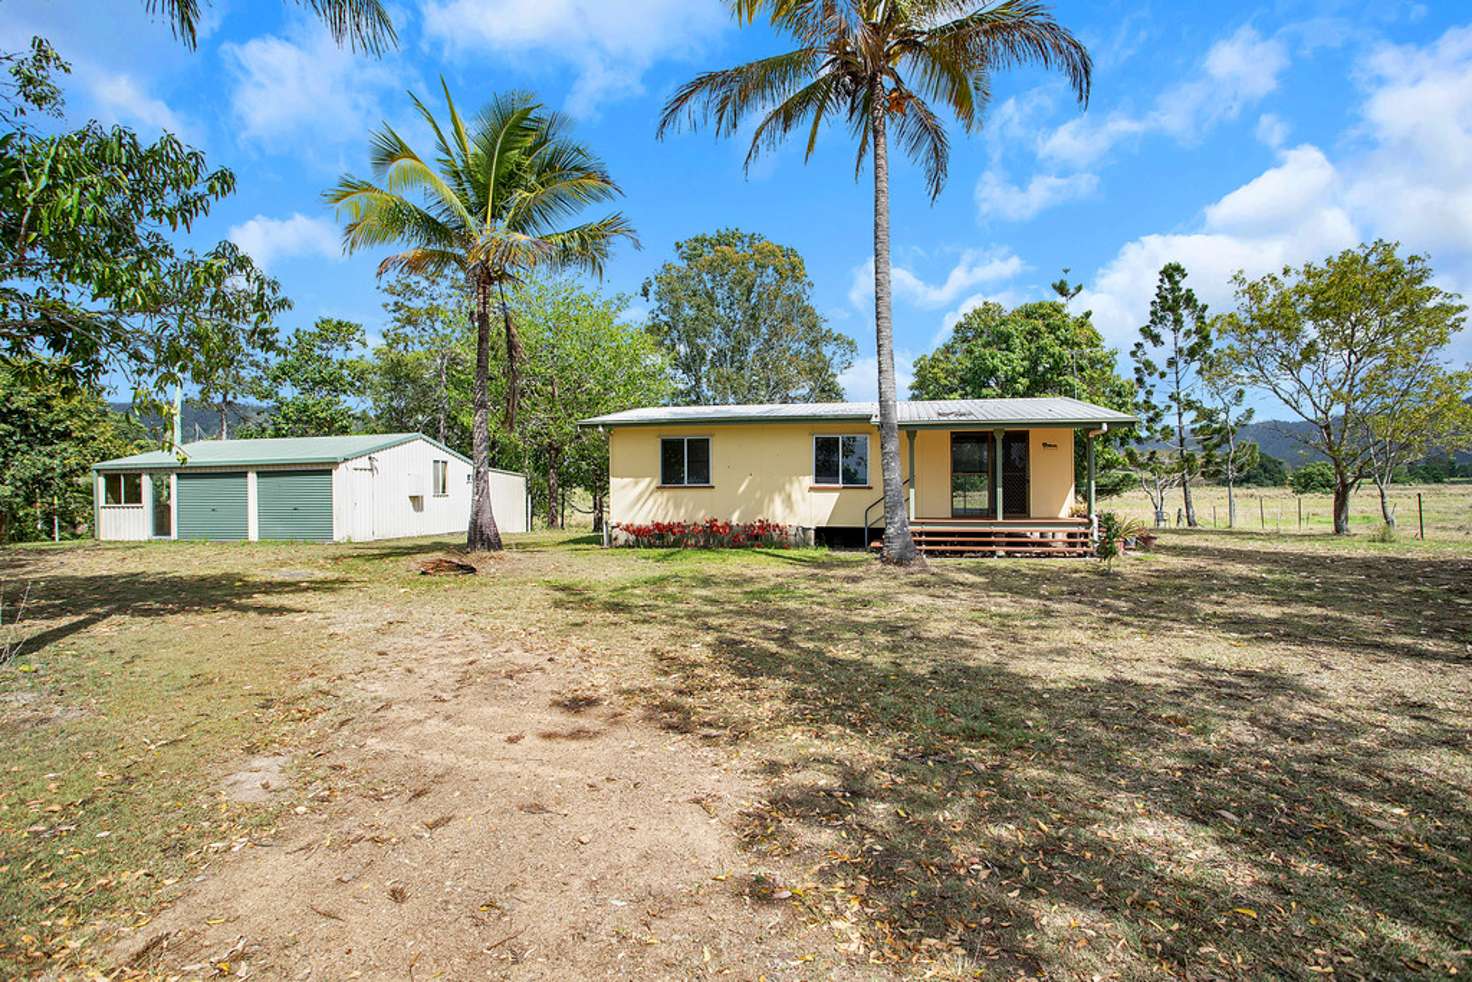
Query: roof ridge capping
{"type": "Point", "coordinates": [259, 451]}
{"type": "Point", "coordinates": [1022, 411]}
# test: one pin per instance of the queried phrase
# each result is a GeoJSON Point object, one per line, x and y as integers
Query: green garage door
{"type": "Point", "coordinates": [294, 505]}
{"type": "Point", "coordinates": [211, 506]}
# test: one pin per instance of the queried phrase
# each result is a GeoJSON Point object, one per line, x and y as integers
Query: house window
{"type": "Point", "coordinates": [841, 461]}
{"type": "Point", "coordinates": [441, 486]}
{"type": "Point", "coordinates": [122, 489]}
{"type": "Point", "coordinates": [684, 460]}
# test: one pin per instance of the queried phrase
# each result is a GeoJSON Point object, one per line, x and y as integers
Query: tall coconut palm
{"type": "Point", "coordinates": [490, 208]}
{"type": "Point", "coordinates": [878, 65]}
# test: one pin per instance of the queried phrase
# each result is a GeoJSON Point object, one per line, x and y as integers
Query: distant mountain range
{"type": "Point", "coordinates": [201, 422]}
{"type": "Point", "coordinates": [1283, 438]}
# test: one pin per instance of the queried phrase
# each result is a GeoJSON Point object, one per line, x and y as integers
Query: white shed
{"type": "Point", "coordinates": [334, 488]}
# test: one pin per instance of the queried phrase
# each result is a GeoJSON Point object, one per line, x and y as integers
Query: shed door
{"type": "Point", "coordinates": [211, 506]}
{"type": "Point", "coordinates": [294, 505]}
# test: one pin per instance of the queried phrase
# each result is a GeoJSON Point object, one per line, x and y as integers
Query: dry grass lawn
{"type": "Point", "coordinates": [1239, 756]}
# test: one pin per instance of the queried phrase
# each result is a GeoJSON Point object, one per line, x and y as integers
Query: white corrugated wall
{"type": "Point", "coordinates": [388, 495]}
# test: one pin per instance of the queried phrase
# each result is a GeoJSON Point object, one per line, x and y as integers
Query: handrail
{"type": "Point", "coordinates": [879, 501]}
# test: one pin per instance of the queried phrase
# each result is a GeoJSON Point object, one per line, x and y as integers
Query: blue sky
{"type": "Point", "coordinates": [1223, 135]}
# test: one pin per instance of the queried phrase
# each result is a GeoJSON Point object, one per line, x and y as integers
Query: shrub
{"type": "Point", "coordinates": [709, 534]}
{"type": "Point", "coordinates": [1385, 533]}
{"type": "Point", "coordinates": [1314, 478]}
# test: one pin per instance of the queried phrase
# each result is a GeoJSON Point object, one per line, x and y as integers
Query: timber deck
{"type": "Point", "coordinates": [1019, 537]}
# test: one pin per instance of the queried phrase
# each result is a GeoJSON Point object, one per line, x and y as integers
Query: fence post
{"type": "Point", "coordinates": [1262, 516]}
{"type": "Point", "coordinates": [1300, 513]}
{"type": "Point", "coordinates": [1213, 516]}
{"type": "Point", "coordinates": [1420, 517]}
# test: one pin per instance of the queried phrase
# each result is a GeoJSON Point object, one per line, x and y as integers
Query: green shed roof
{"type": "Point", "coordinates": [255, 453]}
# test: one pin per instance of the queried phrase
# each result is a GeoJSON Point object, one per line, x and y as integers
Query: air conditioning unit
{"type": "Point", "coordinates": [418, 484]}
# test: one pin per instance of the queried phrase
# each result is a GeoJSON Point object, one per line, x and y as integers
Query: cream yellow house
{"type": "Point", "coordinates": [978, 473]}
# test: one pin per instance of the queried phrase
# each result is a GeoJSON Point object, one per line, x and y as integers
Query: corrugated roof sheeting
{"type": "Point", "coordinates": [1058, 410]}
{"type": "Point", "coordinates": [244, 453]}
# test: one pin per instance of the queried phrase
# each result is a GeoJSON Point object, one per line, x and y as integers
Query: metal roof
{"type": "Point", "coordinates": [1048, 411]}
{"type": "Point", "coordinates": [281, 450]}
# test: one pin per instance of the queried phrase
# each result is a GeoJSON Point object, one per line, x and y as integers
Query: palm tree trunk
{"type": "Point", "coordinates": [513, 362]}
{"type": "Point", "coordinates": [899, 547]}
{"type": "Point", "coordinates": [483, 534]}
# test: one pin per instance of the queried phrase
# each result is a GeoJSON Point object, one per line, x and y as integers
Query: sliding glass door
{"type": "Point", "coordinates": [971, 470]}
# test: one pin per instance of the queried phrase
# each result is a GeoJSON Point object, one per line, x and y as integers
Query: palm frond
{"type": "Point", "coordinates": [401, 169]}
{"type": "Point", "coordinates": [725, 98]}
{"type": "Point", "coordinates": [813, 101]}
{"type": "Point", "coordinates": [1018, 32]}
{"type": "Point", "coordinates": [922, 136]}
{"type": "Point", "coordinates": [363, 24]}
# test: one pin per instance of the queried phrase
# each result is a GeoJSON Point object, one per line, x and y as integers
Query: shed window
{"type": "Point", "coordinates": [441, 486]}
{"type": "Point", "coordinates": [684, 460]}
{"type": "Point", "coordinates": [841, 461]}
{"type": "Point", "coordinates": [122, 489]}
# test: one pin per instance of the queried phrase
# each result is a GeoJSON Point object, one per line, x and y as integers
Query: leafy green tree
{"type": "Point", "coordinates": [1315, 477]}
{"type": "Point", "coordinates": [877, 66]}
{"type": "Point", "coordinates": [311, 384]}
{"type": "Point", "coordinates": [1037, 349]}
{"type": "Point", "coordinates": [581, 361]}
{"type": "Point", "coordinates": [1346, 345]}
{"type": "Point", "coordinates": [1431, 414]}
{"type": "Point", "coordinates": [736, 316]}
{"type": "Point", "coordinates": [426, 353]}
{"type": "Point", "coordinates": [1221, 414]}
{"type": "Point", "coordinates": [51, 433]}
{"type": "Point", "coordinates": [226, 365]}
{"type": "Point", "coordinates": [363, 24]}
{"type": "Point", "coordinates": [90, 274]}
{"type": "Point", "coordinates": [1266, 471]}
{"type": "Point", "coordinates": [489, 209]}
{"type": "Point", "coordinates": [1168, 359]}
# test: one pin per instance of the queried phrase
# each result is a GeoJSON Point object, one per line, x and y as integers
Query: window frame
{"type": "Point", "coordinates": [842, 485]}
{"type": "Point", "coordinates": [122, 489]}
{"type": "Point", "coordinates": [439, 478]}
{"type": "Point", "coordinates": [685, 460]}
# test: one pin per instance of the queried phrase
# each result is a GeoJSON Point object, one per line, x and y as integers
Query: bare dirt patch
{"type": "Point", "coordinates": [259, 779]}
{"type": "Point", "coordinates": [433, 846]}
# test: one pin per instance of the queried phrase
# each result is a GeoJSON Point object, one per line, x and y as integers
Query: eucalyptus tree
{"type": "Point", "coordinates": [1356, 347]}
{"type": "Point", "coordinates": [877, 66]}
{"type": "Point", "coordinates": [491, 208]}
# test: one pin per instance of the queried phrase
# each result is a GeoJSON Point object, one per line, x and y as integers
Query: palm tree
{"type": "Point", "coordinates": [488, 209]}
{"type": "Point", "coordinates": [878, 65]}
{"type": "Point", "coordinates": [363, 24]}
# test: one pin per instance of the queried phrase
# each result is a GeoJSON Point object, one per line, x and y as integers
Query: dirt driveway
{"type": "Point", "coordinates": [483, 809]}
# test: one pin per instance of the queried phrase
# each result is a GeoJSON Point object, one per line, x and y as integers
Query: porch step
{"type": "Point", "coordinates": [1065, 538]}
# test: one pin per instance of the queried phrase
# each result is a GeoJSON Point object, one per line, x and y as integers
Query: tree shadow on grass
{"type": "Point", "coordinates": [1388, 607]}
{"type": "Point", "coordinates": [64, 605]}
{"type": "Point", "coordinates": [1207, 821]}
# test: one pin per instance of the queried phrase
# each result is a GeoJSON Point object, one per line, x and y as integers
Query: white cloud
{"type": "Point", "coordinates": [609, 45]}
{"type": "Point", "coordinates": [121, 99]}
{"type": "Point", "coordinates": [997, 198]}
{"type": "Point", "coordinates": [1406, 176]}
{"type": "Point", "coordinates": [861, 380]}
{"type": "Point", "coordinates": [269, 239]}
{"type": "Point", "coordinates": [973, 268]}
{"type": "Point", "coordinates": [306, 86]}
{"type": "Point", "coordinates": [1236, 73]}
{"type": "Point", "coordinates": [1287, 215]}
{"type": "Point", "coordinates": [1415, 184]}
{"type": "Point", "coordinates": [1272, 130]}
